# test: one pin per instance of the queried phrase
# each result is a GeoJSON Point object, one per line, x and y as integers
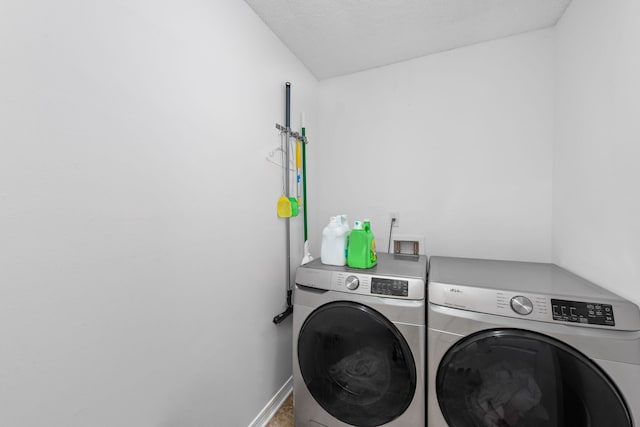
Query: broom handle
{"type": "Point", "coordinates": [288, 220]}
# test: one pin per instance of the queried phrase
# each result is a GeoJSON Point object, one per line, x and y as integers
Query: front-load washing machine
{"type": "Point", "coordinates": [528, 344]}
{"type": "Point", "coordinates": [359, 344]}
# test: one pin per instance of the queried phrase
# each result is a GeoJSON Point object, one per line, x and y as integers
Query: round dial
{"type": "Point", "coordinates": [521, 305]}
{"type": "Point", "coordinates": [352, 283]}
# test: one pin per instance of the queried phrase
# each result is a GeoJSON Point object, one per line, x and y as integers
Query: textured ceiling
{"type": "Point", "coordinates": [336, 37]}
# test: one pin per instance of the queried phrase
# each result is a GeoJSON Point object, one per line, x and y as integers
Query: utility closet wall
{"type": "Point", "coordinates": [596, 201]}
{"type": "Point", "coordinates": [459, 143]}
{"type": "Point", "coordinates": [141, 259]}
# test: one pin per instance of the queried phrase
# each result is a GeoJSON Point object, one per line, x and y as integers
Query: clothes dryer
{"type": "Point", "coordinates": [359, 344]}
{"type": "Point", "coordinates": [528, 344]}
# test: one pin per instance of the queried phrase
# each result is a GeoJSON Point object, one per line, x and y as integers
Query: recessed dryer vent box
{"type": "Point", "coordinates": [408, 244]}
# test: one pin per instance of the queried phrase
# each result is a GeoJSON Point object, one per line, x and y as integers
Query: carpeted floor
{"type": "Point", "coordinates": [284, 416]}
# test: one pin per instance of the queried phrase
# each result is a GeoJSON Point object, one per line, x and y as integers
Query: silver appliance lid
{"type": "Point", "coordinates": [516, 276]}
{"type": "Point", "coordinates": [388, 265]}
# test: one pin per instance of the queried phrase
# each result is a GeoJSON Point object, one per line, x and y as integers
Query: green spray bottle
{"type": "Point", "coordinates": [361, 252]}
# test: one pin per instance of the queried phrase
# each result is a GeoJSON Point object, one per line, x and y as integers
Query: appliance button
{"type": "Point", "coordinates": [352, 283]}
{"type": "Point", "coordinates": [521, 305]}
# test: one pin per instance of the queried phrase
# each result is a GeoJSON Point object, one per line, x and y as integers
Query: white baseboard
{"type": "Point", "coordinates": [274, 404]}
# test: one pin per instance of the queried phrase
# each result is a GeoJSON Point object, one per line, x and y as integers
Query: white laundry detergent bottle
{"type": "Point", "coordinates": [334, 240]}
{"type": "Point", "coordinates": [344, 220]}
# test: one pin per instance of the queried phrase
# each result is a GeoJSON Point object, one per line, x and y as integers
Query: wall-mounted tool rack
{"type": "Point", "coordinates": [286, 130]}
{"type": "Point", "coordinates": [291, 133]}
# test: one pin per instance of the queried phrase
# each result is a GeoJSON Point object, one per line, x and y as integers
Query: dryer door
{"type": "Point", "coordinates": [517, 378]}
{"type": "Point", "coordinates": [356, 364]}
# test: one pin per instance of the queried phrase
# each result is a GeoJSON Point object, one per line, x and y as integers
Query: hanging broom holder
{"type": "Point", "coordinates": [286, 130]}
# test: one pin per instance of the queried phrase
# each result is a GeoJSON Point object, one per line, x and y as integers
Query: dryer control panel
{"type": "Point", "coordinates": [531, 306]}
{"type": "Point", "coordinates": [582, 312]}
{"type": "Point", "coordinates": [528, 291]}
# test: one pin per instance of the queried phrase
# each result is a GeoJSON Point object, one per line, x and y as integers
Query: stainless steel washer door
{"type": "Point", "coordinates": [356, 364]}
{"type": "Point", "coordinates": [519, 378]}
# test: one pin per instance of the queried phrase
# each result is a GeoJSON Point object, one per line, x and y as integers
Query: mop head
{"type": "Point", "coordinates": [307, 255]}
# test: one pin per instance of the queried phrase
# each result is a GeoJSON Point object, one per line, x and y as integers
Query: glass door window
{"type": "Point", "coordinates": [516, 378]}
{"type": "Point", "coordinates": [356, 364]}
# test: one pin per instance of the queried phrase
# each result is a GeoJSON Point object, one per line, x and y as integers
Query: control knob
{"type": "Point", "coordinates": [521, 305]}
{"type": "Point", "coordinates": [352, 283]}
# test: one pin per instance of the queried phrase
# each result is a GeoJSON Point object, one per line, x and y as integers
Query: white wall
{"type": "Point", "coordinates": [596, 207]}
{"type": "Point", "coordinates": [141, 260]}
{"type": "Point", "coordinates": [459, 143]}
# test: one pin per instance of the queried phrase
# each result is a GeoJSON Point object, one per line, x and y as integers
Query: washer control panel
{"type": "Point", "coordinates": [393, 287]}
{"type": "Point", "coordinates": [379, 286]}
{"type": "Point", "coordinates": [582, 312]}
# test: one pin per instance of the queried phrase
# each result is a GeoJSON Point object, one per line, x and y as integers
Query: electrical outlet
{"type": "Point", "coordinates": [395, 215]}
